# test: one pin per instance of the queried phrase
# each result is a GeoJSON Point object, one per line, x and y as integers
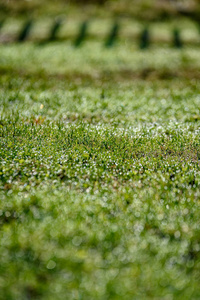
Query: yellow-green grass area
{"type": "Point", "coordinates": [99, 171]}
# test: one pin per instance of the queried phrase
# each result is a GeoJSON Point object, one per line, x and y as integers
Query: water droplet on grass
{"type": "Point", "coordinates": [51, 265]}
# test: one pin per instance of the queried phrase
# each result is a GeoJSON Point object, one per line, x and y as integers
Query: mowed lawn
{"type": "Point", "coordinates": [99, 172]}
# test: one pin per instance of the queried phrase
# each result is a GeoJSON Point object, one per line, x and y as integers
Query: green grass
{"type": "Point", "coordinates": [99, 172]}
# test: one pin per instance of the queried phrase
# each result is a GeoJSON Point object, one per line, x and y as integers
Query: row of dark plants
{"type": "Point", "coordinates": [113, 35]}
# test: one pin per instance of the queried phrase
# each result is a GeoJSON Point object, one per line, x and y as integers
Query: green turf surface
{"type": "Point", "coordinates": [99, 172]}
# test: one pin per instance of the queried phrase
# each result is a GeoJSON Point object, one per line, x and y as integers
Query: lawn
{"type": "Point", "coordinates": [99, 167]}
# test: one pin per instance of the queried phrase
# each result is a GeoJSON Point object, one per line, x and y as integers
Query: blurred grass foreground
{"type": "Point", "coordinates": [99, 150]}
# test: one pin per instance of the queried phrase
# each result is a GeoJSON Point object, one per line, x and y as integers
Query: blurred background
{"type": "Point", "coordinates": [141, 9]}
{"type": "Point", "coordinates": [49, 20]}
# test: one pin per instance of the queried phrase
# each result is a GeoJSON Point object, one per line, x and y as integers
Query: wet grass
{"type": "Point", "coordinates": [99, 172]}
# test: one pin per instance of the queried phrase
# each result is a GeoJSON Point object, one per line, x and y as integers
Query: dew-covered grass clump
{"type": "Point", "coordinates": [99, 172]}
